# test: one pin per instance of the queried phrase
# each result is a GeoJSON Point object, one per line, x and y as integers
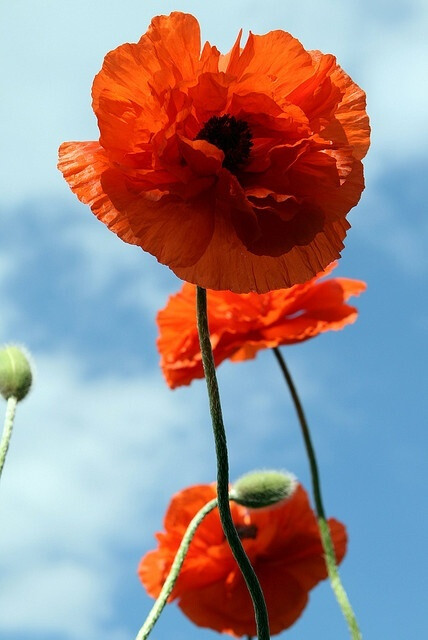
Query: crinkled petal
{"type": "Point", "coordinates": [277, 60]}
{"type": "Point", "coordinates": [127, 109]}
{"type": "Point", "coordinates": [177, 42]}
{"type": "Point", "coordinates": [228, 263]}
{"type": "Point", "coordinates": [318, 96]}
{"type": "Point", "coordinates": [210, 95]}
{"type": "Point", "coordinates": [175, 231]}
{"type": "Point", "coordinates": [203, 158]}
{"type": "Point", "coordinates": [350, 124]}
{"type": "Point", "coordinates": [83, 164]}
{"type": "Point", "coordinates": [242, 324]}
{"type": "Point", "coordinates": [208, 559]}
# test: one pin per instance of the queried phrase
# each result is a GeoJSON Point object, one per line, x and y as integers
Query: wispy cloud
{"type": "Point", "coordinates": [88, 472]}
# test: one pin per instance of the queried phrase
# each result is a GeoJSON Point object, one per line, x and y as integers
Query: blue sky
{"type": "Point", "coordinates": [89, 472]}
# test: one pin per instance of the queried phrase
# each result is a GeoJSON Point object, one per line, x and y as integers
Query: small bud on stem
{"type": "Point", "coordinates": [15, 382]}
{"type": "Point", "coordinates": [15, 373]}
{"type": "Point", "coordinates": [259, 489]}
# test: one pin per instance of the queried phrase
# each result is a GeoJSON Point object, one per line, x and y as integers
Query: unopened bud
{"type": "Point", "coordinates": [259, 489]}
{"type": "Point", "coordinates": [15, 373]}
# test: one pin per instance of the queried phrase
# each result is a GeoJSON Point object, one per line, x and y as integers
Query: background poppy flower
{"type": "Point", "coordinates": [282, 543]}
{"type": "Point", "coordinates": [242, 324]}
{"type": "Point", "coordinates": [236, 171]}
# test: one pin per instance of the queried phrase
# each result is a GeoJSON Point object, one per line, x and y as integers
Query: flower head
{"type": "Point", "coordinates": [242, 324]}
{"type": "Point", "coordinates": [282, 543]}
{"type": "Point", "coordinates": [237, 170]}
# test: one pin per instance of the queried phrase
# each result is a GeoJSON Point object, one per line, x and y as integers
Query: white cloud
{"type": "Point", "coordinates": [7, 310]}
{"type": "Point", "coordinates": [88, 471]}
{"type": "Point", "coordinates": [43, 596]}
{"type": "Point", "coordinates": [400, 232]}
{"type": "Point", "coordinates": [102, 256]}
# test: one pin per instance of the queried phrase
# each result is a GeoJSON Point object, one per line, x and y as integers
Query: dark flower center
{"type": "Point", "coordinates": [230, 135]}
{"type": "Point", "coordinates": [246, 531]}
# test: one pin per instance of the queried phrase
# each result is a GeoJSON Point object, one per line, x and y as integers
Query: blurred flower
{"type": "Point", "coordinates": [237, 170]}
{"type": "Point", "coordinates": [242, 324]}
{"type": "Point", "coordinates": [282, 543]}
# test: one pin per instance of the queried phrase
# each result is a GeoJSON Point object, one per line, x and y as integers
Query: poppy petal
{"type": "Point", "coordinates": [242, 324]}
{"type": "Point", "coordinates": [248, 271]}
{"type": "Point", "coordinates": [83, 164]}
{"type": "Point", "coordinates": [150, 214]}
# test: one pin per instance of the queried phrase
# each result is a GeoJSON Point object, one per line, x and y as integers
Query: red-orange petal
{"type": "Point", "coordinates": [351, 123]}
{"type": "Point", "coordinates": [83, 165]}
{"type": "Point", "coordinates": [173, 230]}
{"type": "Point", "coordinates": [228, 264]}
{"type": "Point", "coordinates": [242, 324]}
{"type": "Point", "coordinates": [276, 59]}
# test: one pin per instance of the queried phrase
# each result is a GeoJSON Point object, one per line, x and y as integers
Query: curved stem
{"type": "Point", "coordinates": [315, 476]}
{"type": "Point", "coordinates": [327, 542]}
{"type": "Point", "coordinates": [223, 469]}
{"type": "Point", "coordinates": [7, 429]}
{"type": "Point", "coordinates": [174, 571]}
{"type": "Point", "coordinates": [335, 581]}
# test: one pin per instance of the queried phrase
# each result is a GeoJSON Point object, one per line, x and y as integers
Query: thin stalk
{"type": "Point", "coordinates": [174, 572]}
{"type": "Point", "coordinates": [315, 476]}
{"type": "Point", "coordinates": [326, 540]}
{"type": "Point", "coordinates": [230, 532]}
{"type": "Point", "coordinates": [7, 429]}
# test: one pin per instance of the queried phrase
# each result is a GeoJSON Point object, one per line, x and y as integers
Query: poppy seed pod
{"type": "Point", "coordinates": [15, 373]}
{"type": "Point", "coordinates": [259, 489]}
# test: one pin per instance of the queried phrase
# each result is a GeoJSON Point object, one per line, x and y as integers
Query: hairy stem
{"type": "Point", "coordinates": [7, 429]}
{"type": "Point", "coordinates": [223, 470]}
{"type": "Point", "coordinates": [327, 542]}
{"type": "Point", "coordinates": [174, 571]}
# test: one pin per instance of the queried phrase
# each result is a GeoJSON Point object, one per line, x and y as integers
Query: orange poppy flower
{"type": "Point", "coordinates": [282, 543]}
{"type": "Point", "coordinates": [237, 170]}
{"type": "Point", "coordinates": [242, 324]}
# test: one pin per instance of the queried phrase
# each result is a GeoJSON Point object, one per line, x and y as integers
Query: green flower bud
{"type": "Point", "coordinates": [259, 489]}
{"type": "Point", "coordinates": [15, 373]}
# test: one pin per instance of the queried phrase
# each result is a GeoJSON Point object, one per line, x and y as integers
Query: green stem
{"type": "Point", "coordinates": [327, 542]}
{"type": "Point", "coordinates": [174, 571]}
{"type": "Point", "coordinates": [315, 476]}
{"type": "Point", "coordinates": [230, 532]}
{"type": "Point", "coordinates": [335, 581]}
{"type": "Point", "coordinates": [7, 429]}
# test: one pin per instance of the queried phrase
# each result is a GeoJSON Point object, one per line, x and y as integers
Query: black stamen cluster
{"type": "Point", "coordinates": [230, 135]}
{"type": "Point", "coordinates": [246, 531]}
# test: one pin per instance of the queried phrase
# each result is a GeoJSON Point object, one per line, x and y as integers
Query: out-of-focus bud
{"type": "Point", "coordinates": [15, 372]}
{"type": "Point", "coordinates": [259, 489]}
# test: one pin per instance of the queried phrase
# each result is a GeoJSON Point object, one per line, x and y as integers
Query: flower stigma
{"type": "Point", "coordinates": [232, 136]}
